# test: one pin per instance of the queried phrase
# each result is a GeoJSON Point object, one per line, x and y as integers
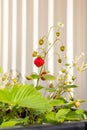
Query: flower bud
{"type": "Point", "coordinates": [15, 80]}
{"type": "Point", "coordinates": [77, 103]}
{"type": "Point", "coordinates": [63, 70]}
{"type": "Point", "coordinates": [79, 68]}
{"type": "Point", "coordinates": [3, 78]}
{"type": "Point", "coordinates": [60, 24]}
{"type": "Point", "coordinates": [69, 89]}
{"type": "Point", "coordinates": [73, 78]}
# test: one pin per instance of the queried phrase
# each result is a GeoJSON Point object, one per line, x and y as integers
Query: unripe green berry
{"type": "Point", "coordinates": [3, 78]}
{"type": "Point", "coordinates": [41, 42]}
{"type": "Point", "coordinates": [62, 48]}
{"type": "Point", "coordinates": [73, 78]}
{"type": "Point", "coordinates": [59, 60]}
{"type": "Point", "coordinates": [34, 54]}
{"type": "Point", "coordinates": [57, 34]}
{"type": "Point", "coordinates": [63, 70]}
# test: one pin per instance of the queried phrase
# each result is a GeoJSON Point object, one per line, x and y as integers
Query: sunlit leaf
{"type": "Point", "coordinates": [61, 114]}
{"type": "Point", "coordinates": [25, 96]}
{"type": "Point", "coordinates": [69, 104]}
{"type": "Point", "coordinates": [34, 76]}
{"type": "Point", "coordinates": [8, 123]}
{"type": "Point", "coordinates": [39, 87]}
{"type": "Point", "coordinates": [50, 117]}
{"type": "Point", "coordinates": [57, 102]}
{"type": "Point", "coordinates": [73, 115]}
{"type": "Point", "coordinates": [49, 77]}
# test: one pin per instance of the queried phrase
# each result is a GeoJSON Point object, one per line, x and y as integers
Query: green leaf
{"type": "Point", "coordinates": [36, 102]}
{"type": "Point", "coordinates": [39, 87]}
{"type": "Point", "coordinates": [57, 102]}
{"type": "Point", "coordinates": [34, 76]}
{"type": "Point", "coordinates": [5, 96]}
{"type": "Point", "coordinates": [8, 123]}
{"type": "Point", "coordinates": [61, 114]}
{"type": "Point", "coordinates": [49, 77]}
{"type": "Point", "coordinates": [50, 117]}
{"type": "Point", "coordinates": [25, 96]}
{"type": "Point", "coordinates": [79, 111]}
{"type": "Point", "coordinates": [1, 120]}
{"type": "Point", "coordinates": [69, 104]}
{"type": "Point", "coordinates": [82, 112]}
{"type": "Point", "coordinates": [73, 115]}
{"type": "Point", "coordinates": [70, 86]}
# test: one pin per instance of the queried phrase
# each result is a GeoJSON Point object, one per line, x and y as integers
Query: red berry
{"type": "Point", "coordinates": [39, 61]}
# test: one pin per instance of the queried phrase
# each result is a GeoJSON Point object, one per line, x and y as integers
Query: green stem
{"type": "Point", "coordinates": [51, 46]}
{"type": "Point", "coordinates": [44, 59]}
{"type": "Point", "coordinates": [39, 78]}
{"type": "Point", "coordinates": [45, 53]}
{"type": "Point", "coordinates": [40, 72]}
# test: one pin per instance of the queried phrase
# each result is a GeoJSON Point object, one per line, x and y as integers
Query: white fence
{"type": "Point", "coordinates": [23, 22]}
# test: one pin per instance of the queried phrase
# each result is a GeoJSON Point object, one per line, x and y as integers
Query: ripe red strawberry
{"type": "Point", "coordinates": [39, 61]}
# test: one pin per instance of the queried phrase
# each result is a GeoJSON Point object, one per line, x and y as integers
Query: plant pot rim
{"type": "Point", "coordinates": [69, 125]}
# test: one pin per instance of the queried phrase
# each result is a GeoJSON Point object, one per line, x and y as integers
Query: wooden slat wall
{"type": "Point", "coordinates": [60, 14]}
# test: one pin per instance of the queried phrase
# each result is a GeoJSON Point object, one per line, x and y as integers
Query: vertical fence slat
{"type": "Point", "coordinates": [51, 36]}
{"type": "Point", "coordinates": [23, 47]}
{"type": "Point", "coordinates": [60, 14]}
{"type": "Point", "coordinates": [0, 32]}
{"type": "Point", "coordinates": [29, 36]}
{"type": "Point", "coordinates": [5, 34]}
{"type": "Point", "coordinates": [80, 45]}
{"type": "Point", "coordinates": [10, 35]}
{"type": "Point", "coordinates": [19, 34]}
{"type": "Point", "coordinates": [14, 34]}
{"type": "Point", "coordinates": [35, 27]}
